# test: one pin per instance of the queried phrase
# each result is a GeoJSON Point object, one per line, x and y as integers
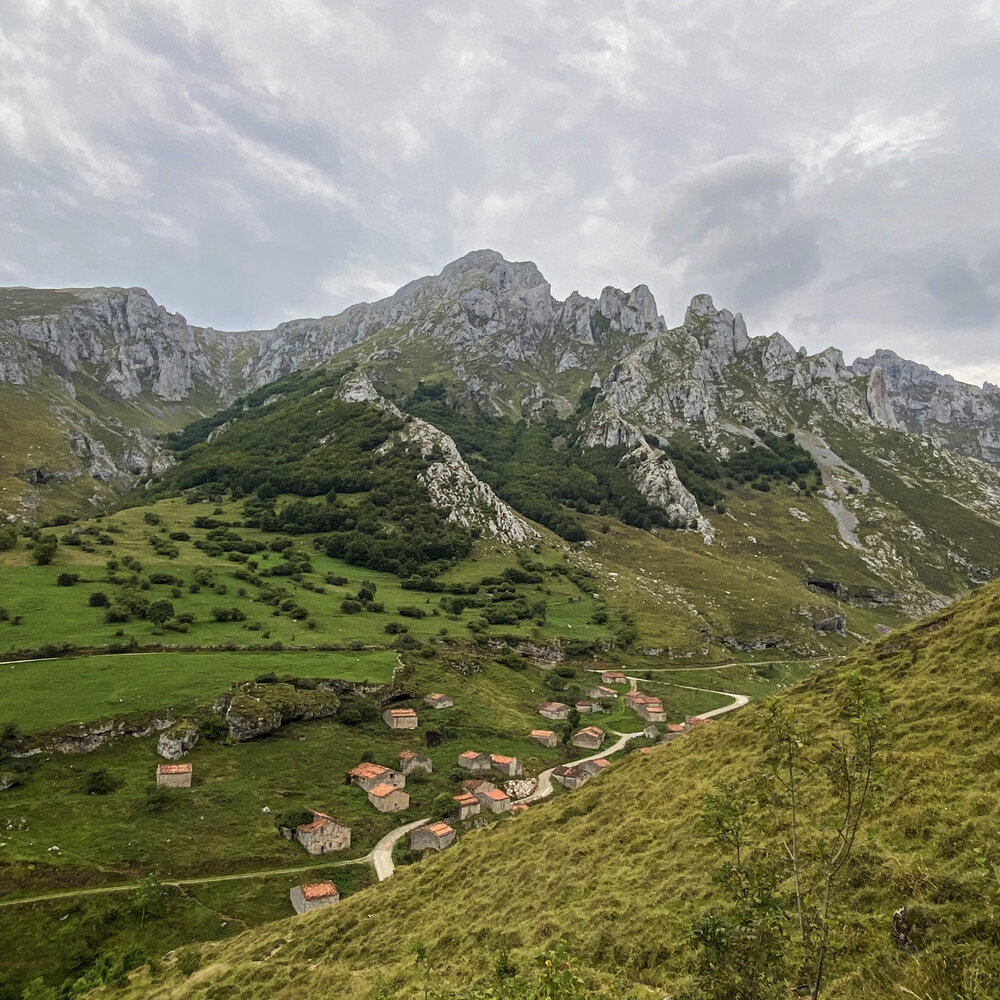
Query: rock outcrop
{"type": "Point", "coordinates": [177, 740]}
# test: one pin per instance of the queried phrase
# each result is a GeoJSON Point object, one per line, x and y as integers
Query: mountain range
{"type": "Point", "coordinates": [93, 380]}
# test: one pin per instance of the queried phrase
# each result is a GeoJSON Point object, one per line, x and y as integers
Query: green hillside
{"type": "Point", "coordinates": [622, 871]}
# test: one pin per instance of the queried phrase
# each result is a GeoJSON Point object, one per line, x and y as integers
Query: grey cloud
{"type": "Point", "coordinates": [243, 160]}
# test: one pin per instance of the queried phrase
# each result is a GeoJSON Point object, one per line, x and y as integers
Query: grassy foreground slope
{"type": "Point", "coordinates": [620, 871]}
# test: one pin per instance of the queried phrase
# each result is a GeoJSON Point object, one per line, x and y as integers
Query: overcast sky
{"type": "Point", "coordinates": [830, 169]}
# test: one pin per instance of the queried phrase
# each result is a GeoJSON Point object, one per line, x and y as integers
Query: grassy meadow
{"type": "Point", "coordinates": [621, 871]}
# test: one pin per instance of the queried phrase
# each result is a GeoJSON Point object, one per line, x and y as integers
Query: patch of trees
{"type": "Point", "coordinates": [772, 459]}
{"type": "Point", "coordinates": [536, 469]}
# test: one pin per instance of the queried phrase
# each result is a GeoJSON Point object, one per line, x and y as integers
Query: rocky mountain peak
{"type": "Point", "coordinates": [502, 275]}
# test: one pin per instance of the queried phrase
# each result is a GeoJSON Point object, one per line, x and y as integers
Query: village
{"type": "Point", "coordinates": [477, 799]}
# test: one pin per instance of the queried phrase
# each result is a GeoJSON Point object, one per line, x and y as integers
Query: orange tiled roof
{"type": "Point", "coordinates": [496, 795]}
{"type": "Point", "coordinates": [382, 790]}
{"type": "Point", "coordinates": [368, 770]}
{"type": "Point", "coordinates": [465, 799]}
{"type": "Point", "coordinates": [173, 768]}
{"type": "Point", "coordinates": [473, 783]}
{"type": "Point", "coordinates": [675, 727]}
{"type": "Point", "coordinates": [645, 749]}
{"type": "Point", "coordinates": [602, 762]}
{"type": "Point", "coordinates": [594, 731]}
{"type": "Point", "coordinates": [319, 820]}
{"type": "Point", "coordinates": [440, 829]}
{"type": "Point", "coordinates": [541, 733]}
{"type": "Point", "coordinates": [567, 771]}
{"type": "Point", "coordinates": [551, 704]}
{"type": "Point", "coordinates": [470, 755]}
{"type": "Point", "coordinates": [318, 890]}
{"type": "Point", "coordinates": [499, 758]}
{"type": "Point", "coordinates": [402, 713]}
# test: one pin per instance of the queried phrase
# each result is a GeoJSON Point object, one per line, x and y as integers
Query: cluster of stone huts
{"type": "Point", "coordinates": [386, 788]}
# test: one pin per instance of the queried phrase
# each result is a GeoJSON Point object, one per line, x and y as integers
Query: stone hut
{"type": "Point", "coordinates": [545, 736]}
{"type": "Point", "coordinates": [387, 798]}
{"type": "Point", "coordinates": [651, 710]}
{"type": "Point", "coordinates": [613, 677]}
{"type": "Point", "coordinates": [601, 692]}
{"type": "Point", "coordinates": [410, 761]}
{"type": "Point", "coordinates": [590, 738]}
{"type": "Point", "coordinates": [174, 775]}
{"type": "Point", "coordinates": [592, 767]}
{"type": "Point", "coordinates": [570, 776]}
{"type": "Point", "coordinates": [322, 836]}
{"type": "Point", "coordinates": [553, 710]}
{"type": "Point", "coordinates": [474, 786]}
{"type": "Point", "coordinates": [400, 718]}
{"type": "Point", "coordinates": [651, 732]}
{"type": "Point", "coordinates": [588, 707]}
{"type": "Point", "coordinates": [437, 700]}
{"type": "Point", "coordinates": [314, 896]}
{"type": "Point", "coordinates": [510, 766]}
{"type": "Point", "coordinates": [473, 760]}
{"type": "Point", "coordinates": [367, 776]}
{"type": "Point", "coordinates": [468, 805]}
{"type": "Point", "coordinates": [494, 800]}
{"type": "Point", "coordinates": [436, 836]}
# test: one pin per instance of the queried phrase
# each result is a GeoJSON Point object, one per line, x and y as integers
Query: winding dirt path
{"type": "Point", "coordinates": [381, 855]}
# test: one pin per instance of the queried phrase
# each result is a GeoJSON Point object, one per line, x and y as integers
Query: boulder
{"type": "Point", "coordinates": [177, 740]}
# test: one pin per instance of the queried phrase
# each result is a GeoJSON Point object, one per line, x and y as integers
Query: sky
{"type": "Point", "coordinates": [830, 170]}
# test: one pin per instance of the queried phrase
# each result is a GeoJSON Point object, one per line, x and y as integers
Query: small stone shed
{"type": "Point", "coordinates": [468, 805]}
{"type": "Point", "coordinates": [494, 800]}
{"type": "Point", "coordinates": [388, 799]}
{"type": "Point", "coordinates": [436, 836]}
{"type": "Point", "coordinates": [174, 775]}
{"type": "Point", "coordinates": [590, 738]}
{"type": "Point", "coordinates": [570, 776]}
{"type": "Point", "coordinates": [437, 700]}
{"type": "Point", "coordinates": [313, 896]}
{"type": "Point", "coordinates": [410, 761]}
{"type": "Point", "coordinates": [553, 710]}
{"type": "Point", "coordinates": [544, 736]}
{"type": "Point", "coordinates": [400, 718]}
{"type": "Point", "coordinates": [473, 760]}
{"type": "Point", "coordinates": [322, 836]}
{"type": "Point", "coordinates": [510, 766]}
{"type": "Point", "coordinates": [613, 677]}
{"type": "Point", "coordinates": [367, 776]}
{"type": "Point", "coordinates": [592, 767]}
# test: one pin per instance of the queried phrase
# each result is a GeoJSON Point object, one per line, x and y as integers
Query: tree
{"type": "Point", "coordinates": [8, 538]}
{"type": "Point", "coordinates": [149, 897]}
{"type": "Point", "coordinates": [573, 719]}
{"type": "Point", "coordinates": [160, 612]}
{"type": "Point", "coordinates": [799, 828]}
{"type": "Point", "coordinates": [45, 549]}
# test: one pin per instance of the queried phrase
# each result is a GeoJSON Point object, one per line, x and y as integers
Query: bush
{"type": "Point", "coordinates": [99, 783]}
{"type": "Point", "coordinates": [98, 599]}
{"type": "Point", "coordinates": [67, 579]}
{"type": "Point", "coordinates": [411, 611]}
{"type": "Point", "coordinates": [351, 607]}
{"type": "Point", "coordinates": [45, 549]}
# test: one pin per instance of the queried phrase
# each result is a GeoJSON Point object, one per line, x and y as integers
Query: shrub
{"type": "Point", "coordinates": [45, 549]}
{"type": "Point", "coordinates": [99, 783]}
{"type": "Point", "coordinates": [411, 611]}
{"type": "Point", "coordinates": [98, 599]}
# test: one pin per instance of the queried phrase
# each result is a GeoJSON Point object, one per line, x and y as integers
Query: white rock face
{"type": "Point", "coordinates": [450, 482]}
